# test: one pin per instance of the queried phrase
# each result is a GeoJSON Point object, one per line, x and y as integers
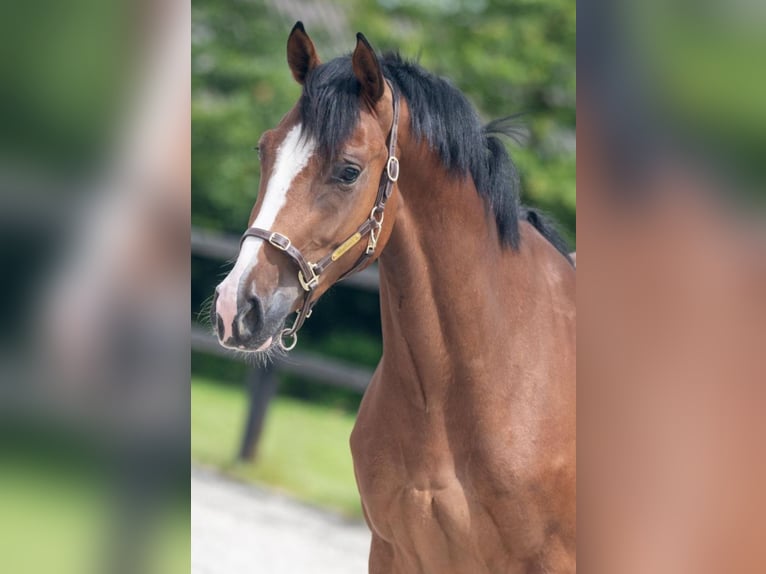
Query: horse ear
{"type": "Point", "coordinates": [301, 54]}
{"type": "Point", "coordinates": [367, 70]}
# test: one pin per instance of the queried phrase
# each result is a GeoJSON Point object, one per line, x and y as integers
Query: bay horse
{"type": "Point", "coordinates": [464, 444]}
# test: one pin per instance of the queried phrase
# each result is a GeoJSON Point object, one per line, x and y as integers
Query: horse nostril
{"type": "Point", "coordinates": [219, 325]}
{"type": "Point", "coordinates": [251, 317]}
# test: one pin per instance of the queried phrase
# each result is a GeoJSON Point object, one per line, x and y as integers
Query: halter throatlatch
{"type": "Point", "coordinates": [309, 273]}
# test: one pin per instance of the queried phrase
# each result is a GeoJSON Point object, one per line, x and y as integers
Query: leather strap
{"type": "Point", "coordinates": [283, 244]}
{"type": "Point", "coordinates": [309, 273]}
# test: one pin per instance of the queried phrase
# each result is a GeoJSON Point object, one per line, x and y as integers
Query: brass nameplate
{"type": "Point", "coordinates": [345, 246]}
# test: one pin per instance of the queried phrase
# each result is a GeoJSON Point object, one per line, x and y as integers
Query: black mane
{"type": "Point", "coordinates": [440, 114]}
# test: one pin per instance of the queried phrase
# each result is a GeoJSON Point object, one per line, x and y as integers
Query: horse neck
{"type": "Point", "coordinates": [443, 301]}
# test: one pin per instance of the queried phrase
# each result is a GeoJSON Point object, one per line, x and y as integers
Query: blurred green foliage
{"type": "Point", "coordinates": [703, 77]}
{"type": "Point", "coordinates": [508, 57]}
{"type": "Point", "coordinates": [65, 72]}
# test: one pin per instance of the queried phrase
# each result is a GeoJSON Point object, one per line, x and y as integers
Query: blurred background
{"type": "Point", "coordinates": [508, 57]}
{"type": "Point", "coordinates": [94, 358]}
{"type": "Point", "coordinates": [671, 293]}
{"type": "Point", "coordinates": [94, 201]}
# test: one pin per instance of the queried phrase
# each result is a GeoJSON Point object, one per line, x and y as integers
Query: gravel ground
{"type": "Point", "coordinates": [238, 528]}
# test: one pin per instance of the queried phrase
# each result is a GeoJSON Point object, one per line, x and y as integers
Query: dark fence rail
{"type": "Point", "coordinates": [262, 381]}
{"type": "Point", "coordinates": [328, 371]}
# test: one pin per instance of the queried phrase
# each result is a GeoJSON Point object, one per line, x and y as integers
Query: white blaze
{"type": "Point", "coordinates": [293, 155]}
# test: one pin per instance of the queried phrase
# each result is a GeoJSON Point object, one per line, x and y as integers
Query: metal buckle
{"type": "Point", "coordinates": [392, 166]}
{"type": "Point", "coordinates": [372, 243]}
{"type": "Point", "coordinates": [311, 284]}
{"type": "Point", "coordinates": [274, 236]}
{"type": "Point", "coordinates": [377, 210]}
{"type": "Point", "coordinates": [288, 333]}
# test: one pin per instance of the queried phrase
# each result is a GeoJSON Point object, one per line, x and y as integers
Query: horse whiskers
{"type": "Point", "coordinates": [203, 315]}
{"type": "Point", "coordinates": [270, 355]}
{"type": "Point", "coordinates": [263, 358]}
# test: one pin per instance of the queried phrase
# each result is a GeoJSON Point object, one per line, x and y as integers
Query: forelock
{"type": "Point", "coordinates": [329, 105]}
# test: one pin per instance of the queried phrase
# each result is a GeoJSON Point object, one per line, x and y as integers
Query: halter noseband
{"type": "Point", "coordinates": [309, 273]}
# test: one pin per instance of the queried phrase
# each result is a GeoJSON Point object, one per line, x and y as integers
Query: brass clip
{"type": "Point", "coordinates": [311, 284]}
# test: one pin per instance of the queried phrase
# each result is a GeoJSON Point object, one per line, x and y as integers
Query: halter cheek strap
{"type": "Point", "coordinates": [308, 272]}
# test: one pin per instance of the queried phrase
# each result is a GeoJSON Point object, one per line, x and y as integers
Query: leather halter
{"type": "Point", "coordinates": [308, 272]}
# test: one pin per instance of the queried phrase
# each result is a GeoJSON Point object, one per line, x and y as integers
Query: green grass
{"type": "Point", "coordinates": [304, 448]}
{"type": "Point", "coordinates": [64, 519]}
{"type": "Point", "coordinates": [57, 517]}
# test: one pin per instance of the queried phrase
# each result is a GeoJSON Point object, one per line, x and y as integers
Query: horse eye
{"type": "Point", "coordinates": [348, 174]}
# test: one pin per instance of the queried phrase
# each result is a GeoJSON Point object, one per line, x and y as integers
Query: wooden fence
{"type": "Point", "coordinates": [262, 382]}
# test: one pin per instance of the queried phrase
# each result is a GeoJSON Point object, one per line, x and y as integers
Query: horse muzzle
{"type": "Point", "coordinates": [249, 322]}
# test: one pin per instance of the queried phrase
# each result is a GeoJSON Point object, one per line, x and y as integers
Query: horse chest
{"type": "Point", "coordinates": [413, 495]}
{"type": "Point", "coordinates": [434, 495]}
{"type": "Point", "coordinates": [408, 490]}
